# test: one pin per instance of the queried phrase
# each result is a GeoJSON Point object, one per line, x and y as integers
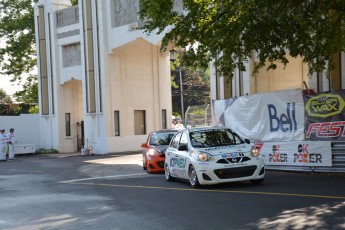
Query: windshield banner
{"type": "Point", "coordinates": [297, 153]}
{"type": "Point", "coordinates": [276, 116]}
{"type": "Point", "coordinates": [325, 116]}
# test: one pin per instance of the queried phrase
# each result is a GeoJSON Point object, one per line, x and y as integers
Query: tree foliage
{"type": "Point", "coordinates": [195, 88]}
{"type": "Point", "coordinates": [10, 108]}
{"type": "Point", "coordinates": [7, 107]}
{"type": "Point", "coordinates": [29, 93]}
{"type": "Point", "coordinates": [230, 30]}
{"type": "Point", "coordinates": [18, 54]}
{"type": "Point", "coordinates": [17, 33]}
{"type": "Point", "coordinates": [4, 98]}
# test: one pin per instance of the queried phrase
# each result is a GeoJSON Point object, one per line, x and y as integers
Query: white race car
{"type": "Point", "coordinates": [212, 155]}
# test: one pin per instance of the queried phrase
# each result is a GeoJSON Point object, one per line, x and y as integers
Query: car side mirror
{"type": "Point", "coordinates": [144, 145]}
{"type": "Point", "coordinates": [247, 141]}
{"type": "Point", "coordinates": [183, 148]}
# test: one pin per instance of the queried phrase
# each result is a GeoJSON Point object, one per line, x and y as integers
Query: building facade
{"type": "Point", "coordinates": [294, 75]}
{"type": "Point", "coordinates": [103, 83]}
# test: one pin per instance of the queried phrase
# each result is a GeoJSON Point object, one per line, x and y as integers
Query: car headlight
{"type": "Point", "coordinates": [254, 151]}
{"type": "Point", "coordinates": [204, 156]}
{"type": "Point", "coordinates": [153, 152]}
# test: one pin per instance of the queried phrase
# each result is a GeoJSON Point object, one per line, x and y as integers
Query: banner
{"type": "Point", "coordinates": [297, 153]}
{"type": "Point", "coordinates": [325, 116]}
{"type": "Point", "coordinates": [276, 116]}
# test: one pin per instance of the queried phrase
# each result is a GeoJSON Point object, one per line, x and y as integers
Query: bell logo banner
{"type": "Point", "coordinates": [275, 116]}
{"type": "Point", "coordinates": [286, 121]}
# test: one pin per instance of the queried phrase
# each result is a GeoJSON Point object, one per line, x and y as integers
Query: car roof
{"type": "Point", "coordinates": [166, 131]}
{"type": "Point", "coordinates": [206, 128]}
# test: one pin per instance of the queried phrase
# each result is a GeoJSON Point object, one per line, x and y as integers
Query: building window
{"type": "Point", "coordinates": [68, 124]}
{"type": "Point", "coordinates": [164, 118]}
{"type": "Point", "coordinates": [139, 122]}
{"type": "Point", "coordinates": [117, 123]}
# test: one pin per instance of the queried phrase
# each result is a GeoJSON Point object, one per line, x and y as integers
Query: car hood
{"type": "Point", "coordinates": [242, 148]}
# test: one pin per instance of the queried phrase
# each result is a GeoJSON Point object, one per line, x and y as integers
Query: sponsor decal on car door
{"type": "Point", "coordinates": [180, 162]}
{"type": "Point", "coordinates": [178, 165]}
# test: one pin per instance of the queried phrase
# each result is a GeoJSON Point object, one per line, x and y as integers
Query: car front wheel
{"type": "Point", "coordinates": [168, 177]}
{"type": "Point", "coordinates": [193, 177]}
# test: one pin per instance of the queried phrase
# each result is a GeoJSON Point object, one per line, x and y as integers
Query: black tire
{"type": "Point", "coordinates": [258, 181]}
{"type": "Point", "coordinates": [168, 177]}
{"type": "Point", "coordinates": [193, 177]}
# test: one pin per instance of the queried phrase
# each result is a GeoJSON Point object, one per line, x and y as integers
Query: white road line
{"type": "Point", "coordinates": [103, 177]}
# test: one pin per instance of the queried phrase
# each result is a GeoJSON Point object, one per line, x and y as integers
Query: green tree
{"type": "Point", "coordinates": [4, 98]}
{"type": "Point", "coordinates": [34, 109]}
{"type": "Point", "coordinates": [17, 31]}
{"type": "Point", "coordinates": [7, 107]}
{"type": "Point", "coordinates": [18, 54]}
{"type": "Point", "coordinates": [231, 30]}
{"type": "Point", "coordinates": [29, 94]}
{"type": "Point", "coordinates": [18, 51]}
{"type": "Point", "coordinates": [195, 88]}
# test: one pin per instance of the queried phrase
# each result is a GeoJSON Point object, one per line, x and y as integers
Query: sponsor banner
{"type": "Point", "coordinates": [219, 107]}
{"type": "Point", "coordinates": [325, 116]}
{"type": "Point", "coordinates": [297, 153]}
{"type": "Point", "coordinates": [276, 116]}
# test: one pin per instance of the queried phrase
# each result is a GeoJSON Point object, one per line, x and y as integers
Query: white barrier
{"type": "Point", "coordinates": [24, 149]}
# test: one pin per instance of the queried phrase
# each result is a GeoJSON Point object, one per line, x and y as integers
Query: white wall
{"type": "Point", "coordinates": [26, 128]}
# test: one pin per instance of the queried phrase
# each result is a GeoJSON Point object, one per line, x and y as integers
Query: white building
{"type": "Point", "coordinates": [102, 81]}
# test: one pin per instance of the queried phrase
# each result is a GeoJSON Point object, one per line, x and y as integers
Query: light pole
{"type": "Point", "coordinates": [173, 54]}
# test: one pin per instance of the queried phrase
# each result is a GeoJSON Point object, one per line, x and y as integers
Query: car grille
{"type": "Point", "coordinates": [233, 160]}
{"type": "Point", "coordinates": [235, 172]}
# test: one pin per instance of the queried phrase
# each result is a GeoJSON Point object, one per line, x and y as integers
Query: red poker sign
{"type": "Point", "coordinates": [325, 116]}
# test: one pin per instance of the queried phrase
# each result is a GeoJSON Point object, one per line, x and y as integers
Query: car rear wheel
{"type": "Point", "coordinates": [259, 181]}
{"type": "Point", "coordinates": [193, 177]}
{"type": "Point", "coordinates": [168, 177]}
{"type": "Point", "coordinates": [144, 163]}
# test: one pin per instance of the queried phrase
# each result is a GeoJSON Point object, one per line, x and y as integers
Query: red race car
{"type": "Point", "coordinates": [154, 149]}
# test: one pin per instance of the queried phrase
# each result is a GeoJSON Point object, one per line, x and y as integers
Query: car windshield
{"type": "Point", "coordinates": [214, 137]}
{"type": "Point", "coordinates": [161, 138]}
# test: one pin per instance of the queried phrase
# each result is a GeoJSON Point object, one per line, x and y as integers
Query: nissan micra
{"type": "Point", "coordinates": [154, 149]}
{"type": "Point", "coordinates": [212, 155]}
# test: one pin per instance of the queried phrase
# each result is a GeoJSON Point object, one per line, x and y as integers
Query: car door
{"type": "Point", "coordinates": [183, 156]}
{"type": "Point", "coordinates": [171, 155]}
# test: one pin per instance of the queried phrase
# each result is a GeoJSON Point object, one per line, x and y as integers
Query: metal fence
{"type": "Point", "coordinates": [338, 162]}
{"type": "Point", "coordinates": [198, 115]}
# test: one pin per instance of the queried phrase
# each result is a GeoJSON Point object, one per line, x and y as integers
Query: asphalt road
{"type": "Point", "coordinates": [113, 192]}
